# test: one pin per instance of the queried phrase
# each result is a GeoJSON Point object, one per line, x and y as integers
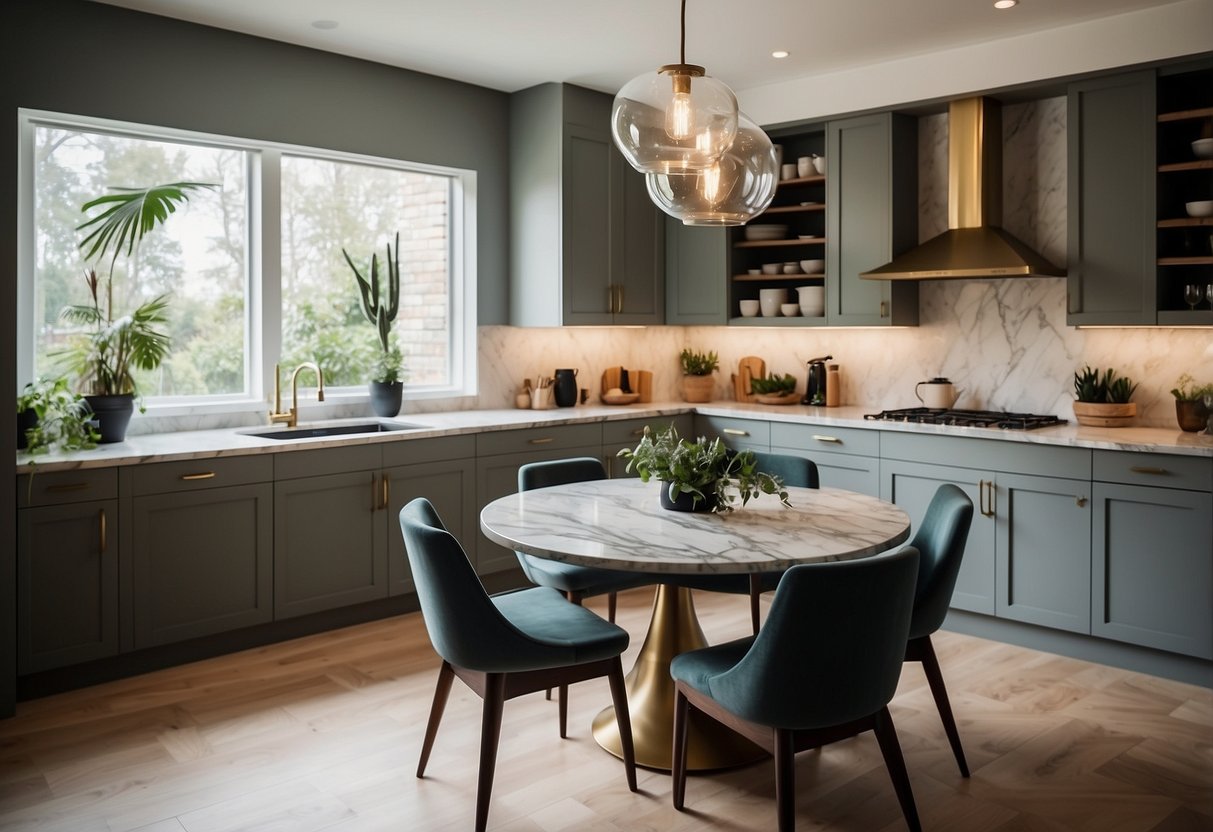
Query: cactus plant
{"type": "Point", "coordinates": [381, 312]}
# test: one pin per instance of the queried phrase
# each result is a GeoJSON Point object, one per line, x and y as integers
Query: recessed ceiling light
{"type": "Point", "coordinates": [779, 53]}
{"type": "Point", "coordinates": [332, 24]}
{"type": "Point", "coordinates": [1005, 4]}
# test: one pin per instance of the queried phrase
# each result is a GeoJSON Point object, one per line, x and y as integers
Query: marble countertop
{"type": "Point", "coordinates": [619, 524]}
{"type": "Point", "coordinates": [206, 444]}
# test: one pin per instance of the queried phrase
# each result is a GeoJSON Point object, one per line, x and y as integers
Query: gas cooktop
{"type": "Point", "coordinates": [967, 418]}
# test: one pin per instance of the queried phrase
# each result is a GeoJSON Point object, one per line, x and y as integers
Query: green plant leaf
{"type": "Point", "coordinates": [130, 215]}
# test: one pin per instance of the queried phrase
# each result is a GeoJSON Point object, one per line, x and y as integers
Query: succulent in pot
{"type": "Point", "coordinates": [387, 383]}
{"type": "Point", "coordinates": [697, 368]}
{"type": "Point", "coordinates": [1103, 398]}
{"type": "Point", "coordinates": [1193, 403]}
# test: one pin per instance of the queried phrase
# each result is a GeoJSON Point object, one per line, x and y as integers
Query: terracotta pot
{"type": "Point", "coordinates": [1104, 414]}
{"type": "Point", "coordinates": [698, 388]}
{"type": "Point", "coordinates": [686, 502]}
{"type": "Point", "coordinates": [1192, 415]}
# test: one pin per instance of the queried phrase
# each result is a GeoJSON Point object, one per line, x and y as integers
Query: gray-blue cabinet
{"type": "Point", "coordinates": [742, 434]}
{"type": "Point", "coordinates": [696, 274]}
{"type": "Point", "coordinates": [847, 458]}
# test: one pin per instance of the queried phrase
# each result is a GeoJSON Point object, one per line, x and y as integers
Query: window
{"type": "Point", "coordinates": [239, 305]}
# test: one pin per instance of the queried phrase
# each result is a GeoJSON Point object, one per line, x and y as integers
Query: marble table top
{"type": "Point", "coordinates": [619, 524]}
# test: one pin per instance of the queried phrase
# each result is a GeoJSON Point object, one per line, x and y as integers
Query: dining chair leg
{"type": "Point", "coordinates": [755, 595]}
{"type": "Point", "coordinates": [562, 696]}
{"type": "Point", "coordinates": [785, 780]}
{"type": "Point", "coordinates": [612, 603]}
{"type": "Point", "coordinates": [441, 691]}
{"type": "Point", "coordinates": [623, 720]}
{"type": "Point", "coordinates": [930, 664]}
{"type": "Point", "coordinates": [890, 748]}
{"type": "Point", "coordinates": [490, 734]}
{"type": "Point", "coordinates": [678, 767]}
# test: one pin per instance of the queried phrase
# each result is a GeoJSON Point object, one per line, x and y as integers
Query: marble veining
{"type": "Point", "coordinates": [619, 524]}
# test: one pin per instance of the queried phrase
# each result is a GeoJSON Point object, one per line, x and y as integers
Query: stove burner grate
{"type": "Point", "coordinates": [967, 418]}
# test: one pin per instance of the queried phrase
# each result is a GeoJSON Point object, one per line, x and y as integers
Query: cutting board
{"type": "Point", "coordinates": [748, 368]}
{"type": "Point", "coordinates": [640, 382]}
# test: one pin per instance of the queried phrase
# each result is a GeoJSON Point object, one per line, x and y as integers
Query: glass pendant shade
{"type": "Point", "coordinates": [734, 190]}
{"type": "Point", "coordinates": [675, 120]}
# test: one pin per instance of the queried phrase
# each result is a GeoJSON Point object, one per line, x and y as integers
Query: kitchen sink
{"type": "Point", "coordinates": [322, 431]}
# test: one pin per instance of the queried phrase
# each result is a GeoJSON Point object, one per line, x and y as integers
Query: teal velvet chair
{"type": "Point", "coordinates": [793, 470]}
{"type": "Point", "coordinates": [940, 541]}
{"type": "Point", "coordinates": [505, 645]}
{"type": "Point", "coordinates": [822, 669]}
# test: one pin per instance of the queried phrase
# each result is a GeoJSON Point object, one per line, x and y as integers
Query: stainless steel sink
{"type": "Point", "coordinates": [321, 431]}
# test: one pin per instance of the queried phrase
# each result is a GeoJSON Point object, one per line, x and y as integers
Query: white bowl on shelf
{"type": "Point", "coordinates": [769, 301]}
{"type": "Point", "coordinates": [812, 300]}
{"type": "Point", "coordinates": [772, 268]}
{"type": "Point", "coordinates": [1200, 208]}
{"type": "Point", "coordinates": [1203, 148]}
{"type": "Point", "coordinates": [791, 268]}
{"type": "Point", "coordinates": [749, 308]}
{"type": "Point", "coordinates": [815, 266]}
{"type": "Point", "coordinates": [789, 310]}
{"type": "Point", "coordinates": [753, 271]}
{"type": "Point", "coordinates": [819, 164]}
{"type": "Point", "coordinates": [757, 233]}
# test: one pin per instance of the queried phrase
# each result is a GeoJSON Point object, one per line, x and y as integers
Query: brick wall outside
{"type": "Point", "coordinates": [423, 324]}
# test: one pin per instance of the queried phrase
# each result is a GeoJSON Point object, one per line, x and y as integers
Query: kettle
{"type": "Point", "coordinates": [815, 388]}
{"type": "Point", "coordinates": [937, 394]}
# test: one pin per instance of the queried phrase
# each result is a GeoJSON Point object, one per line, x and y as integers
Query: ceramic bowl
{"type": "Point", "coordinates": [753, 271]}
{"type": "Point", "coordinates": [789, 310]}
{"type": "Point", "coordinates": [1200, 208]}
{"type": "Point", "coordinates": [772, 268]}
{"type": "Point", "coordinates": [1203, 148]}
{"type": "Point", "coordinates": [765, 232]}
{"type": "Point", "coordinates": [813, 266]}
{"type": "Point", "coordinates": [791, 268]}
{"type": "Point", "coordinates": [769, 301]}
{"type": "Point", "coordinates": [819, 164]}
{"type": "Point", "coordinates": [812, 300]}
{"type": "Point", "coordinates": [749, 308]}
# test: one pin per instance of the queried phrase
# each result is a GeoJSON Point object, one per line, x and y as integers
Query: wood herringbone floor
{"type": "Point", "coordinates": [323, 733]}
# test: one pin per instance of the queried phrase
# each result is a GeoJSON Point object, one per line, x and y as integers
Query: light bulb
{"type": "Point", "coordinates": [678, 116]}
{"type": "Point", "coordinates": [710, 183]}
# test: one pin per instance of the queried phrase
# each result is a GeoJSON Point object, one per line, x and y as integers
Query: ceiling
{"type": "Point", "coordinates": [513, 44]}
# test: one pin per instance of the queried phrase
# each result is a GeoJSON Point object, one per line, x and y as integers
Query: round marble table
{"type": "Point", "coordinates": [619, 524]}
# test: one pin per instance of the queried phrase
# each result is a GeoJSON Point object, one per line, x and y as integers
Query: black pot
{"type": "Point", "coordinates": [26, 419]}
{"type": "Point", "coordinates": [1192, 415]}
{"type": "Point", "coordinates": [113, 415]}
{"type": "Point", "coordinates": [686, 502]}
{"type": "Point", "coordinates": [385, 397]}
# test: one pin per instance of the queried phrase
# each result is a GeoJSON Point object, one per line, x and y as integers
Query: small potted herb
{"type": "Point", "coordinates": [697, 368]}
{"type": "Point", "coordinates": [387, 384]}
{"type": "Point", "coordinates": [775, 389]}
{"type": "Point", "coordinates": [1103, 398]}
{"type": "Point", "coordinates": [52, 417]}
{"type": "Point", "coordinates": [1193, 403]}
{"type": "Point", "coordinates": [699, 475]}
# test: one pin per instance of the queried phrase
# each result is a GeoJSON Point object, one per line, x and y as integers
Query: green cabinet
{"type": "Point", "coordinates": [67, 569]}
{"type": "Point", "coordinates": [200, 540]}
{"type": "Point", "coordinates": [696, 271]}
{"type": "Point", "coordinates": [586, 241]}
{"type": "Point", "coordinates": [1152, 571]}
{"type": "Point", "coordinates": [742, 434]}
{"type": "Point", "coordinates": [847, 458]}
{"type": "Point", "coordinates": [871, 215]}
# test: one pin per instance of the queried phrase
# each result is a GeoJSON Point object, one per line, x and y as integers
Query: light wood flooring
{"type": "Point", "coordinates": [322, 733]}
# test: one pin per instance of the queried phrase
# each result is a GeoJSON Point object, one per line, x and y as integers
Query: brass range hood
{"type": "Point", "coordinates": [974, 245]}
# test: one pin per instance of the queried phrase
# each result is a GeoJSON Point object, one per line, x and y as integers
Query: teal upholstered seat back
{"type": "Point", "coordinates": [559, 472]}
{"type": "Point", "coordinates": [940, 541]}
{"type": "Point", "coordinates": [832, 647]}
{"type": "Point", "coordinates": [793, 470]}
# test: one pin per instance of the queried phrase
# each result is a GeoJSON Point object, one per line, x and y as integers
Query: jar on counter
{"type": "Point", "coordinates": [833, 386]}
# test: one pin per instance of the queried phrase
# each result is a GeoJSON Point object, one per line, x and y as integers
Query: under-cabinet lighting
{"type": "Point", "coordinates": [779, 53]}
{"type": "Point", "coordinates": [1005, 4]}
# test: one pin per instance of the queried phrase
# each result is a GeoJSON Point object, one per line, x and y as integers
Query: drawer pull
{"type": "Point", "coordinates": [386, 489]}
{"type": "Point", "coordinates": [542, 440]}
{"type": "Point", "coordinates": [1081, 501]}
{"type": "Point", "coordinates": [735, 432]}
{"type": "Point", "coordinates": [101, 530]}
{"type": "Point", "coordinates": [201, 475]}
{"type": "Point", "coordinates": [820, 438]}
{"type": "Point", "coordinates": [987, 495]}
{"type": "Point", "coordinates": [66, 487]}
{"type": "Point", "coordinates": [1146, 469]}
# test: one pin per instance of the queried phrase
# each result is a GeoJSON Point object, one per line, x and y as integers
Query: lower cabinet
{"type": "Point", "coordinates": [741, 434]}
{"type": "Point", "coordinates": [627, 433]}
{"type": "Point", "coordinates": [847, 458]}
{"type": "Point", "coordinates": [67, 581]}
{"type": "Point", "coordinates": [200, 539]}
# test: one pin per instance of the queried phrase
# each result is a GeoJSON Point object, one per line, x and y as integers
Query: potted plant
{"type": "Point", "coordinates": [1193, 403]}
{"type": "Point", "coordinates": [1103, 399]}
{"type": "Point", "coordinates": [387, 386]}
{"type": "Point", "coordinates": [697, 368]}
{"type": "Point", "coordinates": [51, 416]}
{"type": "Point", "coordinates": [775, 389]}
{"type": "Point", "coordinates": [699, 475]}
{"type": "Point", "coordinates": [105, 359]}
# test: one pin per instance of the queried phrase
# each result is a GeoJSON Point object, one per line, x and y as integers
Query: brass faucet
{"type": "Point", "coordinates": [291, 417]}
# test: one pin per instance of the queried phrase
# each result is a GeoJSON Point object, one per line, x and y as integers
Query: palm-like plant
{"type": "Point", "coordinates": [105, 361]}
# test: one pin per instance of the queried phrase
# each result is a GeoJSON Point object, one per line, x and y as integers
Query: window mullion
{"type": "Point", "coordinates": [268, 236]}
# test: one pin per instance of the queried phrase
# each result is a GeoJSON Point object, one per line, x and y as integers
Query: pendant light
{"type": "Point", "coordinates": [735, 189]}
{"type": "Point", "coordinates": [674, 120]}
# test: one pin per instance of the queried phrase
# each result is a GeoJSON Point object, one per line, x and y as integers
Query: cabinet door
{"type": "Point", "coordinates": [696, 274]}
{"type": "Point", "coordinates": [449, 486]}
{"type": "Point", "coordinates": [637, 248]}
{"type": "Point", "coordinates": [202, 562]}
{"type": "Point", "coordinates": [330, 542]}
{"type": "Point", "coordinates": [1111, 266]}
{"type": "Point", "coordinates": [871, 215]}
{"type": "Point", "coordinates": [586, 219]}
{"type": "Point", "coordinates": [1043, 551]}
{"type": "Point", "coordinates": [741, 434]}
{"type": "Point", "coordinates": [67, 584]}
{"type": "Point", "coordinates": [1153, 567]}
{"type": "Point", "coordinates": [846, 458]}
{"type": "Point", "coordinates": [911, 485]}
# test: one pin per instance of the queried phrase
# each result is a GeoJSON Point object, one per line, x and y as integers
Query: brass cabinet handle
{"type": "Point", "coordinates": [386, 490]}
{"type": "Point", "coordinates": [993, 499]}
{"type": "Point", "coordinates": [735, 432]}
{"type": "Point", "coordinates": [884, 309]}
{"type": "Point", "coordinates": [203, 475]}
{"type": "Point", "coordinates": [986, 497]}
{"type": "Point", "coordinates": [821, 438]}
{"type": "Point", "coordinates": [1147, 469]}
{"type": "Point", "coordinates": [101, 529]}
{"type": "Point", "coordinates": [619, 288]}
{"type": "Point", "coordinates": [1081, 501]}
{"type": "Point", "coordinates": [543, 440]}
{"type": "Point", "coordinates": [65, 487]}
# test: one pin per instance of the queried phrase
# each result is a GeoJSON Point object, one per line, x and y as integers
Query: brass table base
{"type": "Point", "coordinates": [673, 629]}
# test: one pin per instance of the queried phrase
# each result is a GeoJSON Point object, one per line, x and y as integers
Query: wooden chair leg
{"type": "Point", "coordinates": [755, 594]}
{"type": "Point", "coordinates": [785, 780]}
{"type": "Point", "coordinates": [678, 770]}
{"type": "Point", "coordinates": [886, 735]}
{"type": "Point", "coordinates": [490, 734]}
{"type": "Point", "coordinates": [441, 691]}
{"type": "Point", "coordinates": [612, 603]}
{"type": "Point", "coordinates": [623, 719]}
{"type": "Point", "coordinates": [562, 696]}
{"type": "Point", "coordinates": [930, 666]}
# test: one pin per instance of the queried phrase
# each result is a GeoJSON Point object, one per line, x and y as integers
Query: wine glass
{"type": "Point", "coordinates": [1209, 294]}
{"type": "Point", "coordinates": [1192, 294]}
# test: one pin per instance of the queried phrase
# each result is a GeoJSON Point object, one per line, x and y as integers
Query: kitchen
{"type": "Point", "coordinates": [1004, 343]}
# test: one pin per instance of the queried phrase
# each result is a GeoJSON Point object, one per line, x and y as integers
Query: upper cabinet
{"type": "Point", "coordinates": [1133, 247]}
{"type": "Point", "coordinates": [586, 241]}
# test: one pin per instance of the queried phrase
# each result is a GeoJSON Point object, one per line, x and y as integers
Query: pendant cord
{"type": "Point", "coordinates": [682, 44]}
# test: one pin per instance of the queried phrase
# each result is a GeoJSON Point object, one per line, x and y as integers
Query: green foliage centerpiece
{"type": "Point", "coordinates": [386, 382]}
{"type": "Point", "coordinates": [700, 475]}
{"type": "Point", "coordinates": [1102, 399]}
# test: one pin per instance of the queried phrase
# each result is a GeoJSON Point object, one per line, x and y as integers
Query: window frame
{"type": "Point", "coordinates": [263, 288]}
